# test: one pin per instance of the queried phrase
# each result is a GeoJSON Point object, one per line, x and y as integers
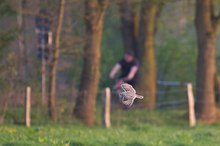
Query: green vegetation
{"type": "Point", "coordinates": [157, 128]}
{"type": "Point", "coordinates": [176, 56]}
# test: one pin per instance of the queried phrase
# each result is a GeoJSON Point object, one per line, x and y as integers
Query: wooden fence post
{"type": "Point", "coordinates": [191, 103]}
{"type": "Point", "coordinates": [107, 108]}
{"type": "Point", "coordinates": [28, 107]}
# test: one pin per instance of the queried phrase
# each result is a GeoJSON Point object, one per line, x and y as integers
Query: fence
{"type": "Point", "coordinates": [186, 88]}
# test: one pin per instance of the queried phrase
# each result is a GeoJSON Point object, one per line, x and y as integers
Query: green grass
{"type": "Point", "coordinates": [129, 128]}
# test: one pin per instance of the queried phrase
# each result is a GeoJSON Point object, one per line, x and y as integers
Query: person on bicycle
{"type": "Point", "coordinates": [129, 67]}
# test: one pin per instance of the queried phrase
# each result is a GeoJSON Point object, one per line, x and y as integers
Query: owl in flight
{"type": "Point", "coordinates": [128, 94]}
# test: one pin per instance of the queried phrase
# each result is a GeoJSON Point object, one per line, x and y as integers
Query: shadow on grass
{"type": "Point", "coordinates": [135, 143]}
{"type": "Point", "coordinates": [76, 144]}
{"type": "Point", "coordinates": [15, 144]}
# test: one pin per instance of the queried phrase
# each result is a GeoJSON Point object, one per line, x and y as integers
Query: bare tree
{"type": "Point", "coordinates": [53, 68]}
{"type": "Point", "coordinates": [86, 100]}
{"type": "Point", "coordinates": [207, 24]}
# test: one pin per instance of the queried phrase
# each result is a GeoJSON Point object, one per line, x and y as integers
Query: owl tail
{"type": "Point", "coordinates": [139, 96]}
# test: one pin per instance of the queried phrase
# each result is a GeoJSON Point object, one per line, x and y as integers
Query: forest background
{"type": "Point", "coordinates": [175, 48]}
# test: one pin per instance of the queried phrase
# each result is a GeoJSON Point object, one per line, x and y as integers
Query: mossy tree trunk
{"type": "Point", "coordinates": [147, 83]}
{"type": "Point", "coordinates": [206, 28]}
{"type": "Point", "coordinates": [86, 100]}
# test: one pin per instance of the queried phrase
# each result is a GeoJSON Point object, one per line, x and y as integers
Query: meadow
{"type": "Point", "coordinates": [134, 127]}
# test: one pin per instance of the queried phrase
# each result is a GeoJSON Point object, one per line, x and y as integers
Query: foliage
{"type": "Point", "coordinates": [176, 60]}
{"type": "Point", "coordinates": [112, 47]}
{"type": "Point", "coordinates": [6, 37]}
{"type": "Point", "coordinates": [176, 50]}
{"type": "Point", "coordinates": [6, 9]}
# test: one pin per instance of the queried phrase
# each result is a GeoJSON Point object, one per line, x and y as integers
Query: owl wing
{"type": "Point", "coordinates": [128, 88]}
{"type": "Point", "coordinates": [122, 95]}
{"type": "Point", "coordinates": [128, 99]}
{"type": "Point", "coordinates": [128, 102]}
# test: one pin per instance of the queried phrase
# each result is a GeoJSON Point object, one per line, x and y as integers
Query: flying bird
{"type": "Point", "coordinates": [128, 94]}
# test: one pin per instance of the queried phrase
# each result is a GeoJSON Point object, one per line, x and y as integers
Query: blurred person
{"type": "Point", "coordinates": [128, 67]}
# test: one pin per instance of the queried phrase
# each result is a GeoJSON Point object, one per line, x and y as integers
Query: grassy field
{"type": "Point", "coordinates": [129, 128]}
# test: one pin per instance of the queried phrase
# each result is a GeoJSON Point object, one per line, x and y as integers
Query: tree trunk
{"type": "Point", "coordinates": [21, 40]}
{"type": "Point", "coordinates": [147, 83]}
{"type": "Point", "coordinates": [206, 38]}
{"type": "Point", "coordinates": [129, 25]}
{"type": "Point", "coordinates": [86, 100]}
{"type": "Point", "coordinates": [53, 71]}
